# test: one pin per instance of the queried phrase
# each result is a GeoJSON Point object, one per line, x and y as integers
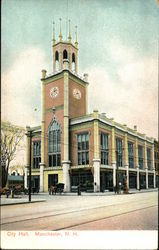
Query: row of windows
{"type": "Point", "coordinates": [65, 55]}
{"type": "Point", "coordinates": [54, 150]}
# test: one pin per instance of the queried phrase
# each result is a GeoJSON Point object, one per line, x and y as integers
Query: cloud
{"type": "Point", "coordinates": [21, 88]}
{"type": "Point", "coordinates": [132, 97]}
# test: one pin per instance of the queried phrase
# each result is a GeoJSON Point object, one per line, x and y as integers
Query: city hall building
{"type": "Point", "coordinates": [74, 147]}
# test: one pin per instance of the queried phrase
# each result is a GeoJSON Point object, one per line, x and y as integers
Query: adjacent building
{"type": "Point", "coordinates": [74, 147]}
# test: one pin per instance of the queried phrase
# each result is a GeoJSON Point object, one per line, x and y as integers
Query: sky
{"type": "Point", "coordinates": [118, 48]}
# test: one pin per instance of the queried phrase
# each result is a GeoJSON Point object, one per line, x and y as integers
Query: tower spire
{"type": "Point", "coordinates": [60, 36]}
{"type": "Point", "coordinates": [76, 42]}
{"type": "Point", "coordinates": [54, 33]}
{"type": "Point", "coordinates": [69, 37]}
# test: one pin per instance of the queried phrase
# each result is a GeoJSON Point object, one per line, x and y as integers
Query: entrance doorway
{"type": "Point", "coordinates": [52, 180]}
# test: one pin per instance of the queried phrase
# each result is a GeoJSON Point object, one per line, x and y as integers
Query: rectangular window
{"type": "Point", "coordinates": [104, 141]}
{"type": "Point", "coordinates": [36, 154]}
{"type": "Point", "coordinates": [140, 156]}
{"type": "Point", "coordinates": [149, 158]}
{"type": "Point", "coordinates": [131, 154]}
{"type": "Point", "coordinates": [83, 149]}
{"type": "Point", "coordinates": [119, 152]}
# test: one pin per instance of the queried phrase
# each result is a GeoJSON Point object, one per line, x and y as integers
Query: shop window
{"type": "Point", "coordinates": [83, 149]}
{"type": "Point", "coordinates": [36, 154]}
{"type": "Point", "coordinates": [104, 140]}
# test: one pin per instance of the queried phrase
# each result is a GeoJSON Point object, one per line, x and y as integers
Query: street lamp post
{"type": "Point", "coordinates": [30, 136]}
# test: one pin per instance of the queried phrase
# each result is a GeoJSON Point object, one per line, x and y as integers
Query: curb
{"type": "Point", "coordinates": [21, 203]}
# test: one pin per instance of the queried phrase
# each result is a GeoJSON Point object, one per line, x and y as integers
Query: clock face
{"type": "Point", "coordinates": [77, 94]}
{"type": "Point", "coordinates": [54, 92]}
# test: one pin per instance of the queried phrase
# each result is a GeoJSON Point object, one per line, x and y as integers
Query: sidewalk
{"type": "Point", "coordinates": [42, 197]}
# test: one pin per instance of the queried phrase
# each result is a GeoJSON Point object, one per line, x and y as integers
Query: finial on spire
{"type": "Point", "coordinates": [54, 32]}
{"type": "Point", "coordinates": [60, 36]}
{"type": "Point", "coordinates": [76, 43]}
{"type": "Point", "coordinates": [69, 37]}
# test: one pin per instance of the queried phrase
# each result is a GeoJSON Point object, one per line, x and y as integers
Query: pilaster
{"type": "Point", "coordinates": [42, 177]}
{"type": "Point", "coordinates": [126, 147]}
{"type": "Point", "coordinates": [66, 111]}
{"type": "Point", "coordinates": [154, 178]}
{"type": "Point", "coordinates": [127, 175]}
{"type": "Point", "coordinates": [86, 80]}
{"type": "Point", "coordinates": [66, 176]}
{"type": "Point", "coordinates": [96, 166]}
{"type": "Point", "coordinates": [136, 152]}
{"type": "Point", "coordinates": [66, 162]}
{"type": "Point", "coordinates": [60, 58]}
{"type": "Point", "coordinates": [138, 178]}
{"type": "Point", "coordinates": [43, 118]}
{"type": "Point", "coordinates": [145, 162]}
{"type": "Point", "coordinates": [145, 154]}
{"type": "Point", "coordinates": [126, 155]}
{"type": "Point", "coordinates": [147, 185]}
{"type": "Point", "coordinates": [114, 174]}
{"type": "Point", "coordinates": [113, 143]}
{"type": "Point", "coordinates": [96, 131]}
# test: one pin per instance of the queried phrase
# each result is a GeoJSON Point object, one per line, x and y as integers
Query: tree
{"type": "Point", "coordinates": [11, 138]}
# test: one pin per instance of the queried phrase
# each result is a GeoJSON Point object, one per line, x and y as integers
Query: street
{"type": "Point", "coordinates": [59, 212]}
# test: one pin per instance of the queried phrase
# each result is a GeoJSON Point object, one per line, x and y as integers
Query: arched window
{"type": "Point", "coordinates": [73, 57]}
{"type": "Point", "coordinates": [73, 62]}
{"type": "Point", "coordinates": [54, 144]}
{"type": "Point", "coordinates": [56, 56]}
{"type": "Point", "coordinates": [57, 60]}
{"type": "Point", "coordinates": [65, 54]}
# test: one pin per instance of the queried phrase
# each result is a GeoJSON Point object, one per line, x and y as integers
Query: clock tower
{"type": "Point", "coordinates": [64, 96]}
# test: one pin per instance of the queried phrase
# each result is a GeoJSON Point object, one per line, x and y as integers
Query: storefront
{"type": "Point", "coordinates": [35, 181]}
{"type": "Point", "coordinates": [132, 179]}
{"type": "Point", "coordinates": [142, 178]}
{"type": "Point", "coordinates": [106, 180]}
{"type": "Point", "coordinates": [83, 178]}
{"type": "Point", "coordinates": [150, 180]}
